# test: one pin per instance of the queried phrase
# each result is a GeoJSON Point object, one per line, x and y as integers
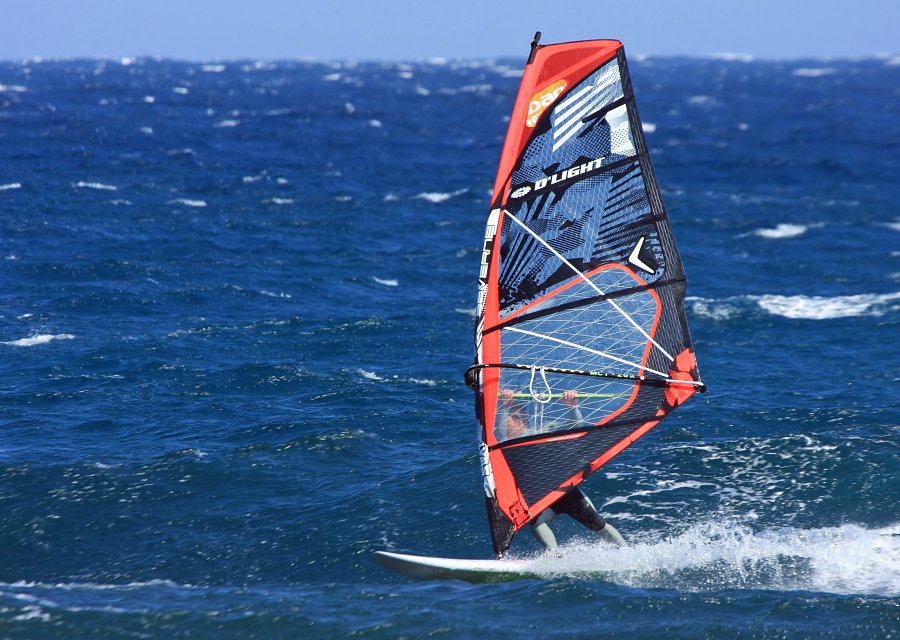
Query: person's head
{"type": "Point", "coordinates": [516, 421]}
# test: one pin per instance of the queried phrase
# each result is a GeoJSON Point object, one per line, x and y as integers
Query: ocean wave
{"type": "Point", "coordinates": [388, 282]}
{"type": "Point", "coordinates": [813, 72]}
{"type": "Point", "coordinates": [10, 185]}
{"type": "Point", "coordinates": [43, 338]}
{"type": "Point", "coordinates": [797, 307]}
{"type": "Point", "coordinates": [370, 375]}
{"type": "Point", "coordinates": [822, 308]}
{"type": "Point", "coordinates": [437, 197]}
{"type": "Point", "coordinates": [781, 231]}
{"type": "Point", "coordinates": [718, 310]}
{"type": "Point", "coordinates": [727, 56]}
{"type": "Point", "coordinates": [188, 202]}
{"type": "Point", "coordinates": [94, 185]}
{"type": "Point", "coordinates": [374, 377]}
{"type": "Point", "coordinates": [94, 586]}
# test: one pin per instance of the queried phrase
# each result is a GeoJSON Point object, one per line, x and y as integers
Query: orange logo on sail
{"type": "Point", "coordinates": [543, 99]}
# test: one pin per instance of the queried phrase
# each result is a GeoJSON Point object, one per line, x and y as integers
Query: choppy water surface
{"type": "Point", "coordinates": [236, 301]}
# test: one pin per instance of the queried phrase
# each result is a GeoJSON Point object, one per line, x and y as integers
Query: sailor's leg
{"type": "Point", "coordinates": [580, 507]}
{"type": "Point", "coordinates": [612, 534]}
{"type": "Point", "coordinates": [540, 527]}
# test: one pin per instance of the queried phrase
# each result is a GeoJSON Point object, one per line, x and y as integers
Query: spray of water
{"type": "Point", "coordinates": [716, 556]}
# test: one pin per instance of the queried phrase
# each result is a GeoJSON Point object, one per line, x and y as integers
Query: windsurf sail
{"type": "Point", "coordinates": [582, 345]}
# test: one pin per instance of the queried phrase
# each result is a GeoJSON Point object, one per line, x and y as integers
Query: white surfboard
{"type": "Point", "coordinates": [429, 568]}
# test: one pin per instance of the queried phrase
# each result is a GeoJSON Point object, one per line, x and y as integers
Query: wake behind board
{"type": "Point", "coordinates": [429, 568]}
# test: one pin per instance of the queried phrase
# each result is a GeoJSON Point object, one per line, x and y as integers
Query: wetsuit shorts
{"type": "Point", "coordinates": [578, 506]}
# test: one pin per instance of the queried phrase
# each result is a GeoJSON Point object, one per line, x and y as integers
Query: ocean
{"type": "Point", "coordinates": [237, 300]}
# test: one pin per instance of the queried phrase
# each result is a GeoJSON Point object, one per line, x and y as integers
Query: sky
{"type": "Point", "coordinates": [410, 30]}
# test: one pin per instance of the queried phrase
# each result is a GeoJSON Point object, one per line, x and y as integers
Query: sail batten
{"type": "Point", "coordinates": [582, 344]}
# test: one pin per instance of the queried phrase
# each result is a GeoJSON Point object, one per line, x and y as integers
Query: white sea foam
{"type": "Point", "coordinates": [702, 100]}
{"type": "Point", "coordinates": [719, 555]}
{"type": "Point", "coordinates": [713, 309]}
{"type": "Point", "coordinates": [189, 203]}
{"type": "Point", "coordinates": [94, 185]}
{"type": "Point", "coordinates": [94, 586]}
{"type": "Point", "coordinates": [43, 338]}
{"type": "Point", "coordinates": [225, 124]}
{"type": "Point", "coordinates": [477, 88]}
{"type": "Point", "coordinates": [280, 200]}
{"type": "Point", "coordinates": [147, 130]}
{"type": "Point", "coordinates": [814, 72]}
{"type": "Point", "coordinates": [12, 88]}
{"type": "Point", "coordinates": [369, 375]}
{"type": "Point", "coordinates": [648, 127]}
{"type": "Point", "coordinates": [438, 197]}
{"type": "Point", "coordinates": [10, 185]}
{"type": "Point", "coordinates": [797, 307]}
{"type": "Point", "coordinates": [781, 231]}
{"type": "Point", "coordinates": [895, 225]}
{"type": "Point", "coordinates": [332, 77]}
{"type": "Point", "coordinates": [375, 123]}
{"type": "Point", "coordinates": [31, 613]}
{"type": "Point", "coordinates": [388, 282]}
{"type": "Point", "coordinates": [469, 311]}
{"type": "Point", "coordinates": [213, 68]}
{"type": "Point", "coordinates": [732, 57]}
{"type": "Point", "coordinates": [823, 308]}
{"type": "Point", "coordinates": [182, 91]}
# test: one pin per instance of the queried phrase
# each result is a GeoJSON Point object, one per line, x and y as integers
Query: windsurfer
{"type": "Point", "coordinates": [513, 417]}
{"type": "Point", "coordinates": [574, 503]}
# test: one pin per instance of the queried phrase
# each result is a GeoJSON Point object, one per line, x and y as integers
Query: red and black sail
{"type": "Point", "coordinates": [581, 288]}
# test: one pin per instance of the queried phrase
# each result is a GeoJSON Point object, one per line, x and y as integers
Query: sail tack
{"type": "Point", "coordinates": [582, 342]}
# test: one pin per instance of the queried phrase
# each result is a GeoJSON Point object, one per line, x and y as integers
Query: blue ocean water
{"type": "Point", "coordinates": [237, 299]}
